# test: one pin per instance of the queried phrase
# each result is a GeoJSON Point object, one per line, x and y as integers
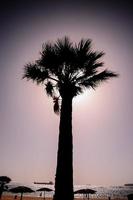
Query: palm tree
{"type": "Point", "coordinates": [66, 70]}
{"type": "Point", "coordinates": [3, 181]}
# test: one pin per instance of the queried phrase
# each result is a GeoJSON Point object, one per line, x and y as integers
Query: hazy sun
{"type": "Point", "coordinates": [83, 98]}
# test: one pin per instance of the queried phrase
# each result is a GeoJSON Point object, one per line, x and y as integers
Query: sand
{"type": "Point", "coordinates": [6, 197]}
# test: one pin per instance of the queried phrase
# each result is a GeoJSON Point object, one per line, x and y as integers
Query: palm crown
{"type": "Point", "coordinates": [67, 69]}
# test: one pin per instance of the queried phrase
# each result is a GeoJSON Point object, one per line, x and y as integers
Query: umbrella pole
{"type": "Point", "coordinates": [21, 196]}
{"type": "Point", "coordinates": [88, 196]}
{"type": "Point", "coordinates": [44, 195]}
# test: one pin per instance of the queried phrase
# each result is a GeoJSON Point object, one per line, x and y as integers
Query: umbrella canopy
{"type": "Point", "coordinates": [85, 192]}
{"type": "Point", "coordinates": [44, 189]}
{"type": "Point", "coordinates": [21, 190]}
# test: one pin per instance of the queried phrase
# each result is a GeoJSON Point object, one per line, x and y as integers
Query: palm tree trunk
{"type": "Point", "coordinates": [64, 170]}
{"type": "Point", "coordinates": [44, 195]}
{"type": "Point", "coordinates": [1, 193]}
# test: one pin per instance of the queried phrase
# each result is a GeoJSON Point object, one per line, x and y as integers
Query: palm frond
{"type": "Point", "coordinates": [82, 51]}
{"type": "Point", "coordinates": [89, 70]}
{"type": "Point", "coordinates": [63, 43]}
{"type": "Point", "coordinates": [95, 80]}
{"type": "Point", "coordinates": [65, 52]}
{"type": "Point", "coordinates": [96, 55]}
{"type": "Point", "coordinates": [49, 60]}
{"type": "Point", "coordinates": [32, 71]}
{"type": "Point", "coordinates": [49, 88]}
{"type": "Point", "coordinates": [84, 45]}
{"type": "Point", "coordinates": [56, 105]}
{"type": "Point", "coordinates": [97, 65]}
{"type": "Point", "coordinates": [77, 90]}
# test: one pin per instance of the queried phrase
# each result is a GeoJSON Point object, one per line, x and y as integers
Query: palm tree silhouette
{"type": "Point", "coordinates": [66, 70]}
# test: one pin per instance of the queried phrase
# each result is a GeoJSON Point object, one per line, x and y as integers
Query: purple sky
{"type": "Point", "coordinates": [102, 119]}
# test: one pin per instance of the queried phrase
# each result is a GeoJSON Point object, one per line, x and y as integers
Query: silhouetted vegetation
{"type": "Point", "coordinates": [3, 184]}
{"type": "Point", "coordinates": [66, 70]}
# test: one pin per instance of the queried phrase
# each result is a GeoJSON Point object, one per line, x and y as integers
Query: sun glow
{"type": "Point", "coordinates": [83, 98]}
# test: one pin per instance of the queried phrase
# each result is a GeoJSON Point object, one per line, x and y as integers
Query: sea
{"type": "Point", "coordinates": [101, 191]}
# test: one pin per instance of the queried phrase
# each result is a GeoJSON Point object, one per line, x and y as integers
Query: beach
{"type": "Point", "coordinates": [11, 197]}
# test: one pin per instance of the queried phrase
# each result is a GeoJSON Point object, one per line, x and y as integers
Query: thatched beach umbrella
{"type": "Point", "coordinates": [21, 190]}
{"type": "Point", "coordinates": [85, 192]}
{"type": "Point", "coordinates": [44, 189]}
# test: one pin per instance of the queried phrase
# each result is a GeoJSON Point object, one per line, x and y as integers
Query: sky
{"type": "Point", "coordinates": [102, 119]}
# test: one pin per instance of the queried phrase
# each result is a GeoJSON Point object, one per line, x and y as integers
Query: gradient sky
{"type": "Point", "coordinates": [102, 119]}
